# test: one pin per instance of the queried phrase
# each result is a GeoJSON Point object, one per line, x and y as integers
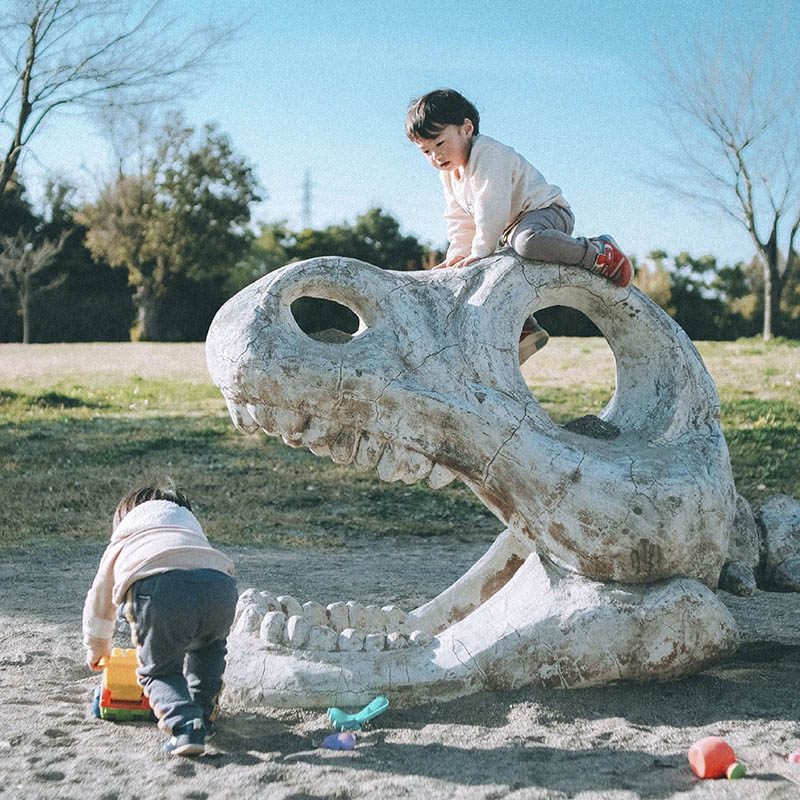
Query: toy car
{"type": "Point", "coordinates": [119, 696]}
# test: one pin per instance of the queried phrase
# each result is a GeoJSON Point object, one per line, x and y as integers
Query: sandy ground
{"type": "Point", "coordinates": [620, 742]}
{"type": "Point", "coordinates": [627, 741]}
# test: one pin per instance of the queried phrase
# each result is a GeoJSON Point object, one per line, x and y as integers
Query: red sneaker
{"type": "Point", "coordinates": [611, 262]}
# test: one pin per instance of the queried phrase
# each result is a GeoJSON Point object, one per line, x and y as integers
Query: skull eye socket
{"type": "Point", "coordinates": [325, 320]}
{"type": "Point", "coordinates": [573, 377]}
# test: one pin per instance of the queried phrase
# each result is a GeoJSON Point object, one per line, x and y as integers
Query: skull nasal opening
{"type": "Point", "coordinates": [325, 320]}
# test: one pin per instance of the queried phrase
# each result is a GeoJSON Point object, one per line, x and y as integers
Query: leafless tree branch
{"type": "Point", "coordinates": [732, 110]}
{"type": "Point", "coordinates": [22, 259]}
{"type": "Point", "coordinates": [91, 53]}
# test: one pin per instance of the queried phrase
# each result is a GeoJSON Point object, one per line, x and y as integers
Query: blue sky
{"type": "Point", "coordinates": [323, 86]}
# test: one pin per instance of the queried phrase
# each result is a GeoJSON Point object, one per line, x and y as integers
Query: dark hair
{"type": "Point", "coordinates": [138, 496]}
{"type": "Point", "coordinates": [428, 114]}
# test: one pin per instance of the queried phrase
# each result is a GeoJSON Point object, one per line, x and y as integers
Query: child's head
{"type": "Point", "coordinates": [138, 496]}
{"type": "Point", "coordinates": [429, 114]}
{"type": "Point", "coordinates": [442, 124]}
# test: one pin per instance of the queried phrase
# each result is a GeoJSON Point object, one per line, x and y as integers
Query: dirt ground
{"type": "Point", "coordinates": [627, 741]}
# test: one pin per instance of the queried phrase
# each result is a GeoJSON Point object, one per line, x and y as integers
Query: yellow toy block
{"type": "Point", "coordinates": [119, 696]}
{"type": "Point", "coordinates": [119, 675]}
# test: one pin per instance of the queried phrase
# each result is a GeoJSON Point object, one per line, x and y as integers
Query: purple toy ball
{"type": "Point", "coordinates": [340, 741]}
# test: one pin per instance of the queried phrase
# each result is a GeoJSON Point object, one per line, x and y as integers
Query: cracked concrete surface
{"type": "Point", "coordinates": [429, 387]}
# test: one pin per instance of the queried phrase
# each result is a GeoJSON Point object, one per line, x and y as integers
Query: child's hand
{"type": "Point", "coordinates": [96, 661]}
{"type": "Point", "coordinates": [457, 261]}
{"type": "Point", "coordinates": [466, 261]}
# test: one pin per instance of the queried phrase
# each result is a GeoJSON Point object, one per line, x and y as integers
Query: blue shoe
{"type": "Point", "coordinates": [186, 740]}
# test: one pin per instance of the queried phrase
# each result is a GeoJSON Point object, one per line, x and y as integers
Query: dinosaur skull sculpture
{"type": "Point", "coordinates": [613, 547]}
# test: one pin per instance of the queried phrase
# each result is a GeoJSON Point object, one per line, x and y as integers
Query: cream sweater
{"type": "Point", "coordinates": [496, 188]}
{"type": "Point", "coordinates": [153, 537]}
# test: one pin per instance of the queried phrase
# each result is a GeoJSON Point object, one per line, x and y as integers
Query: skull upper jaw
{"type": "Point", "coordinates": [416, 399]}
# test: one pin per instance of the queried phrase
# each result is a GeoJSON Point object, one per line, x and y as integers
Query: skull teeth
{"type": "Point", "coordinates": [264, 417]}
{"type": "Point", "coordinates": [345, 627]}
{"type": "Point", "coordinates": [369, 451]}
{"type": "Point", "coordinates": [242, 418]}
{"type": "Point", "coordinates": [292, 424]}
{"type": "Point", "coordinates": [342, 444]}
{"type": "Point", "coordinates": [440, 476]}
{"type": "Point", "coordinates": [399, 463]}
{"type": "Point", "coordinates": [316, 437]}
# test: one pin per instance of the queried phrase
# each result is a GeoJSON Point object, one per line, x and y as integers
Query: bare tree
{"type": "Point", "coordinates": [21, 262]}
{"type": "Point", "coordinates": [59, 53]}
{"type": "Point", "coordinates": [733, 109]}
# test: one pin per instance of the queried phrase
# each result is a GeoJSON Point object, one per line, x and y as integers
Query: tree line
{"type": "Point", "coordinates": [168, 239]}
{"type": "Point", "coordinates": [162, 247]}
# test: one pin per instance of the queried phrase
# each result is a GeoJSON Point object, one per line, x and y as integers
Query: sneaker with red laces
{"type": "Point", "coordinates": [532, 339]}
{"type": "Point", "coordinates": [611, 262]}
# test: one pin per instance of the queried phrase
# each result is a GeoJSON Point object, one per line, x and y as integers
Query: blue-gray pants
{"type": "Point", "coordinates": [179, 623]}
{"type": "Point", "coordinates": [544, 235]}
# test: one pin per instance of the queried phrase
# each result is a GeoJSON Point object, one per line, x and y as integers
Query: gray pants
{"type": "Point", "coordinates": [544, 235]}
{"type": "Point", "coordinates": [179, 623]}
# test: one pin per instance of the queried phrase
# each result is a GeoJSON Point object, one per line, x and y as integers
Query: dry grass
{"type": "Point", "coordinates": [103, 361]}
{"type": "Point", "coordinates": [82, 423]}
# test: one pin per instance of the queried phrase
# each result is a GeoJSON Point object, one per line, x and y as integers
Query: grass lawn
{"type": "Point", "coordinates": [80, 424]}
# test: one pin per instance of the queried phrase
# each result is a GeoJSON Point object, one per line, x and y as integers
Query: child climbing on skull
{"type": "Point", "coordinates": [492, 195]}
{"type": "Point", "coordinates": [179, 597]}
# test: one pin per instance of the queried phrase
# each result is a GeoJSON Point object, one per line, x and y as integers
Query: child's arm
{"type": "Point", "coordinates": [97, 628]}
{"type": "Point", "coordinates": [492, 181]}
{"type": "Point", "coordinates": [460, 227]}
{"type": "Point", "coordinates": [99, 613]}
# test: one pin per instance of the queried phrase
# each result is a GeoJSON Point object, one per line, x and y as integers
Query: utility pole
{"type": "Point", "coordinates": [306, 219]}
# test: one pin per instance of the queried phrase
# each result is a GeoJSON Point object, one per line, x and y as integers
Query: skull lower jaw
{"type": "Point", "coordinates": [543, 627]}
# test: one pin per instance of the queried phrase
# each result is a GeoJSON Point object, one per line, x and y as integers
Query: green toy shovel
{"type": "Point", "coordinates": [353, 722]}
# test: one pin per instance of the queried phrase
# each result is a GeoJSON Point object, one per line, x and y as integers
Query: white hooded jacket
{"type": "Point", "coordinates": [156, 536]}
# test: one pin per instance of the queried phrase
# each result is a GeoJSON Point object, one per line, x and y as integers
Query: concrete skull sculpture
{"type": "Point", "coordinates": [613, 547]}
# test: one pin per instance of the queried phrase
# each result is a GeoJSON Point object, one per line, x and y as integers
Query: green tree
{"type": "Point", "coordinates": [375, 238]}
{"type": "Point", "coordinates": [15, 210]}
{"type": "Point", "coordinates": [790, 305]}
{"type": "Point", "coordinates": [93, 303]}
{"type": "Point", "coordinates": [265, 254]}
{"type": "Point", "coordinates": [707, 300]}
{"type": "Point", "coordinates": [790, 297]}
{"type": "Point", "coordinates": [182, 221]}
{"type": "Point", "coordinates": [90, 54]}
{"type": "Point", "coordinates": [696, 306]}
{"type": "Point", "coordinates": [15, 214]}
{"type": "Point", "coordinates": [379, 235]}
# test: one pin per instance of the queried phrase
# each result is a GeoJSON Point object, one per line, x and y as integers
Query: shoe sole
{"type": "Point", "coordinates": [531, 345]}
{"type": "Point", "coordinates": [625, 278]}
{"type": "Point", "coordinates": [188, 750]}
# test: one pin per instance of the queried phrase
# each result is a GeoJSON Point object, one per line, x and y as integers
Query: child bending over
{"type": "Point", "coordinates": [494, 196]}
{"type": "Point", "coordinates": [179, 597]}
